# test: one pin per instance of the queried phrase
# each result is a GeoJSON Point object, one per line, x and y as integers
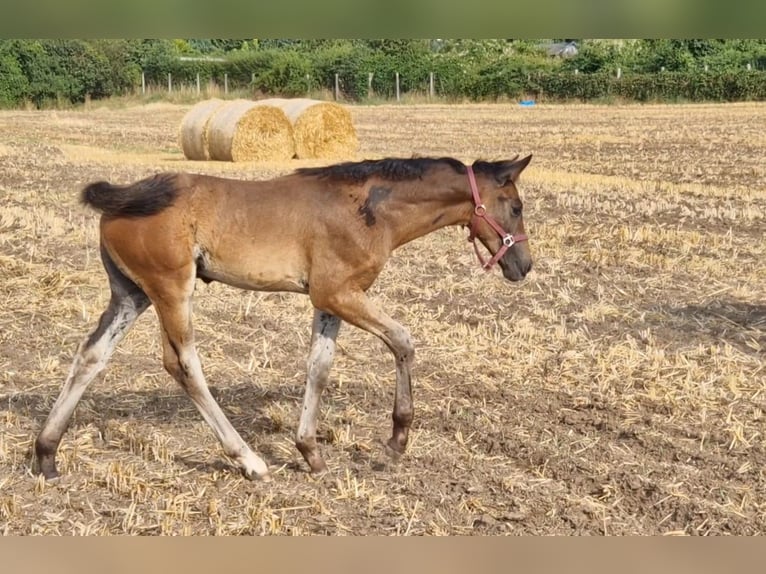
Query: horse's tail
{"type": "Point", "coordinates": [146, 197]}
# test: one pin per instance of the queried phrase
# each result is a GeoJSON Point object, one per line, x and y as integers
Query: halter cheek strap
{"type": "Point", "coordinates": [480, 212]}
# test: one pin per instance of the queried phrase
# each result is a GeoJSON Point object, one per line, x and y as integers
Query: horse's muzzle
{"type": "Point", "coordinates": [515, 270]}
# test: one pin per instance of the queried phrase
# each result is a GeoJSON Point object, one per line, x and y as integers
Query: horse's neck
{"type": "Point", "coordinates": [415, 211]}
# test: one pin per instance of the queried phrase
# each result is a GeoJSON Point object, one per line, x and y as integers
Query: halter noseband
{"type": "Point", "coordinates": [480, 212]}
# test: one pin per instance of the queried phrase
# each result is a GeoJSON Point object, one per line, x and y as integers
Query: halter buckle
{"type": "Point", "coordinates": [480, 210]}
{"type": "Point", "coordinates": [508, 240]}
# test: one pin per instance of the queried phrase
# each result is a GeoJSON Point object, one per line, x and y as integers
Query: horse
{"type": "Point", "coordinates": [322, 231]}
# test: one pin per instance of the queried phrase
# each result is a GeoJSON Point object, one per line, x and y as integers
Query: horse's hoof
{"type": "Point", "coordinates": [321, 475]}
{"type": "Point", "coordinates": [254, 476]}
{"type": "Point", "coordinates": [318, 468]}
{"type": "Point", "coordinates": [393, 451]}
{"type": "Point", "coordinates": [59, 481]}
{"type": "Point", "coordinates": [313, 459]}
{"type": "Point", "coordinates": [45, 463]}
{"type": "Point", "coordinates": [50, 474]}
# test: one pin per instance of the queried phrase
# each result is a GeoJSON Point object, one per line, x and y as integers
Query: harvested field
{"type": "Point", "coordinates": [620, 389]}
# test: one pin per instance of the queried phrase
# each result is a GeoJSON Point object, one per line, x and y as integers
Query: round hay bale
{"type": "Point", "coordinates": [322, 129]}
{"type": "Point", "coordinates": [243, 130]}
{"type": "Point", "coordinates": [192, 135]}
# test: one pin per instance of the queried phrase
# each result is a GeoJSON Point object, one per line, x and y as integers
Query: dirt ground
{"type": "Point", "coordinates": [620, 389]}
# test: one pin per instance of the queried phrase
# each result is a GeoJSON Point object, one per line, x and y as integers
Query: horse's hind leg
{"type": "Point", "coordinates": [324, 331]}
{"type": "Point", "coordinates": [173, 304]}
{"type": "Point", "coordinates": [126, 304]}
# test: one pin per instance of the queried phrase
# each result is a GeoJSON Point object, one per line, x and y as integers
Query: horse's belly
{"type": "Point", "coordinates": [256, 271]}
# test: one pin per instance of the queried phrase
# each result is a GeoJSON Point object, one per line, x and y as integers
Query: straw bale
{"type": "Point", "coordinates": [322, 129]}
{"type": "Point", "coordinates": [192, 135]}
{"type": "Point", "coordinates": [243, 130]}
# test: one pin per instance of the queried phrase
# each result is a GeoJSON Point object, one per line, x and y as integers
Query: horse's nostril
{"type": "Point", "coordinates": [524, 267]}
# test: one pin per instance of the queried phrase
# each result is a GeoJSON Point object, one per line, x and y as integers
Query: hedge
{"type": "Point", "coordinates": [41, 71]}
{"type": "Point", "coordinates": [289, 73]}
{"type": "Point", "coordinates": [665, 86]}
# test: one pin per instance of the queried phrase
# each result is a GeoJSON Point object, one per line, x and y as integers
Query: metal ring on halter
{"type": "Point", "coordinates": [480, 210]}
{"type": "Point", "coordinates": [508, 240]}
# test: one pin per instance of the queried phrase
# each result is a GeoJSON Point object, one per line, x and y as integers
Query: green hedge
{"type": "Point", "coordinates": [665, 86]}
{"type": "Point", "coordinates": [289, 73]}
{"type": "Point", "coordinates": [52, 70]}
{"type": "Point", "coordinates": [42, 71]}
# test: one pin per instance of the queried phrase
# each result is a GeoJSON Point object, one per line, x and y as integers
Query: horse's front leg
{"type": "Point", "coordinates": [403, 413]}
{"type": "Point", "coordinates": [324, 331]}
{"type": "Point", "coordinates": [357, 309]}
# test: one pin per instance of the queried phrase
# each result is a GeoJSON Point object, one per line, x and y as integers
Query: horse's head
{"type": "Point", "coordinates": [498, 220]}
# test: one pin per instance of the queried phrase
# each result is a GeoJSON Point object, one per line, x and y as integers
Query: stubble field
{"type": "Point", "coordinates": [620, 389]}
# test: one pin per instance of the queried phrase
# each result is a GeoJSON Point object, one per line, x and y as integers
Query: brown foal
{"type": "Point", "coordinates": [325, 231]}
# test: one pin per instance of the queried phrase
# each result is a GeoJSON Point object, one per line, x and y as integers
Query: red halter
{"type": "Point", "coordinates": [480, 212]}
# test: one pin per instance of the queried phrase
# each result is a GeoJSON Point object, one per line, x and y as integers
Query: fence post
{"type": "Point", "coordinates": [170, 83]}
{"type": "Point", "coordinates": [369, 84]}
{"type": "Point", "coordinates": [308, 85]}
{"type": "Point", "coordinates": [397, 86]}
{"type": "Point", "coordinates": [337, 87]}
{"type": "Point", "coordinates": [431, 85]}
{"type": "Point", "coordinates": [143, 82]}
{"type": "Point", "coordinates": [619, 73]}
{"type": "Point", "coordinates": [198, 84]}
{"type": "Point", "coordinates": [226, 83]}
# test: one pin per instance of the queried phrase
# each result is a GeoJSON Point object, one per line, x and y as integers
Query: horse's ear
{"type": "Point", "coordinates": [511, 169]}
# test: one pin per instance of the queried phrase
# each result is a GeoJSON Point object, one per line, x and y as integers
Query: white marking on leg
{"type": "Point", "coordinates": [324, 331]}
{"type": "Point", "coordinates": [89, 361]}
{"type": "Point", "coordinates": [233, 444]}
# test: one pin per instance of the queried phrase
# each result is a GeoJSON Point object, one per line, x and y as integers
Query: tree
{"type": "Point", "coordinates": [123, 58]}
{"type": "Point", "coordinates": [593, 56]}
{"type": "Point", "coordinates": [664, 54]}
{"type": "Point", "coordinates": [14, 86]}
{"type": "Point", "coordinates": [80, 69]}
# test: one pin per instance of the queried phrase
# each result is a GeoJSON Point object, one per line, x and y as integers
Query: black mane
{"type": "Point", "coordinates": [393, 169]}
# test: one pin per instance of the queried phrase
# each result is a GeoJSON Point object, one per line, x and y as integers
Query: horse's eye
{"type": "Point", "coordinates": [516, 210]}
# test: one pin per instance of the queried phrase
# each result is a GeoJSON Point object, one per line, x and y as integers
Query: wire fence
{"type": "Point", "coordinates": [701, 85]}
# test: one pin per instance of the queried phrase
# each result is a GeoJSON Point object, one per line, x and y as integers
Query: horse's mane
{"type": "Point", "coordinates": [393, 169]}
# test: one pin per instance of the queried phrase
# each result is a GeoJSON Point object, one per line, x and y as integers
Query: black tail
{"type": "Point", "coordinates": [145, 197]}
